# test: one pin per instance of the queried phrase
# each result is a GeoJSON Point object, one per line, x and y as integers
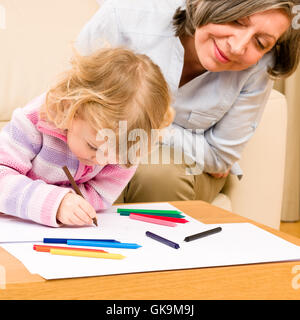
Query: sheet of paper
{"type": "Point", "coordinates": [17, 230]}
{"type": "Point", "coordinates": [236, 244]}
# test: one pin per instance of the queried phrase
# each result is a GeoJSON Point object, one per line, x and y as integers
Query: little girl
{"type": "Point", "coordinates": [59, 128]}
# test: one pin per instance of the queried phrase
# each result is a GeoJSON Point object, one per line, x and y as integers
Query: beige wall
{"type": "Point", "coordinates": [35, 33]}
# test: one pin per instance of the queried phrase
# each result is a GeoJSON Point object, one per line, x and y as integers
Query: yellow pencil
{"type": "Point", "coordinates": [88, 254]}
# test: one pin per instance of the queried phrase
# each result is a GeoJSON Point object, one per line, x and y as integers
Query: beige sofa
{"type": "Point", "coordinates": [36, 40]}
{"type": "Point", "coordinates": [258, 195]}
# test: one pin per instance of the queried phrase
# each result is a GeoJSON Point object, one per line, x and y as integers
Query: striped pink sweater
{"type": "Point", "coordinates": [32, 182]}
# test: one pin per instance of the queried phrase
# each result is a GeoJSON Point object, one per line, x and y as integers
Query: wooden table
{"type": "Point", "coordinates": [256, 281]}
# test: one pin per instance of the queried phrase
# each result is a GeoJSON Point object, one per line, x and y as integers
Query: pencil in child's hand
{"type": "Point", "coordinates": [75, 187]}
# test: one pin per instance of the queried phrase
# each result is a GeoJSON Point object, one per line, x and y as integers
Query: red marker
{"type": "Point", "coordinates": [142, 217]}
{"type": "Point", "coordinates": [179, 220]}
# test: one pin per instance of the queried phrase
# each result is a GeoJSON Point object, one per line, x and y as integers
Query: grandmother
{"type": "Point", "coordinates": [219, 58]}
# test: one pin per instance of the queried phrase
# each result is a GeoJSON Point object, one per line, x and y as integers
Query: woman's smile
{"type": "Point", "coordinates": [237, 45]}
{"type": "Point", "coordinates": [221, 57]}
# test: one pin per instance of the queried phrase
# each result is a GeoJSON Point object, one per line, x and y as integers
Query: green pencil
{"type": "Point", "coordinates": [147, 210]}
{"type": "Point", "coordinates": [165, 213]}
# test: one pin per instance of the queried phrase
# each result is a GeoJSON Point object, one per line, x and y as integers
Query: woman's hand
{"type": "Point", "coordinates": [75, 210]}
{"type": "Point", "coordinates": [220, 175]}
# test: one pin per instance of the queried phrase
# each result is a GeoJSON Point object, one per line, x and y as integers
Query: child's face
{"type": "Point", "coordinates": [81, 139]}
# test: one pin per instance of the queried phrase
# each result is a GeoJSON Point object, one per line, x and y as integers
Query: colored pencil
{"type": "Point", "coordinates": [162, 240]}
{"type": "Point", "coordinates": [87, 254]}
{"type": "Point", "coordinates": [42, 248]}
{"type": "Point", "coordinates": [179, 220]}
{"type": "Point", "coordinates": [149, 211]}
{"type": "Point", "coordinates": [64, 240]}
{"type": "Point", "coordinates": [202, 234]}
{"type": "Point", "coordinates": [163, 214]}
{"type": "Point", "coordinates": [152, 220]}
{"type": "Point", "coordinates": [103, 244]}
{"type": "Point", "coordinates": [76, 189]}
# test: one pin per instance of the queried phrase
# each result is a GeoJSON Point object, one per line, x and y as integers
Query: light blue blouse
{"type": "Point", "coordinates": [217, 112]}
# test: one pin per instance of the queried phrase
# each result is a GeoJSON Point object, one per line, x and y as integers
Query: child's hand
{"type": "Point", "coordinates": [74, 210]}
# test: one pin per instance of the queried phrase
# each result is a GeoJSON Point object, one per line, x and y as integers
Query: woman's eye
{"type": "Point", "coordinates": [260, 44]}
{"type": "Point", "coordinates": [91, 147]}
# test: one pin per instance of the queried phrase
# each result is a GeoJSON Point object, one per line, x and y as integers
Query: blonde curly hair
{"type": "Point", "coordinates": [109, 86]}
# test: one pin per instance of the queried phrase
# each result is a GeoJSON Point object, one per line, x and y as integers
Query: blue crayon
{"type": "Point", "coordinates": [103, 244]}
{"type": "Point", "coordinates": [64, 240]}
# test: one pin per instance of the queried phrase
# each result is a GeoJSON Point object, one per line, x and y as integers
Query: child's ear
{"type": "Point", "coordinates": [168, 117]}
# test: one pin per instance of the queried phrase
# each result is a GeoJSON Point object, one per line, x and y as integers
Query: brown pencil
{"type": "Point", "coordinates": [75, 187]}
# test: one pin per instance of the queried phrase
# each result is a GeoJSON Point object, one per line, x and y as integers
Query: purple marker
{"type": "Point", "coordinates": [162, 240]}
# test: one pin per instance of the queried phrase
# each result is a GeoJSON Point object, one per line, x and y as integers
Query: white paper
{"type": "Point", "coordinates": [237, 243]}
{"type": "Point", "coordinates": [17, 230]}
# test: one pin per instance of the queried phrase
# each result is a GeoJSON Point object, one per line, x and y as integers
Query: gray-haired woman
{"type": "Point", "coordinates": [218, 58]}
